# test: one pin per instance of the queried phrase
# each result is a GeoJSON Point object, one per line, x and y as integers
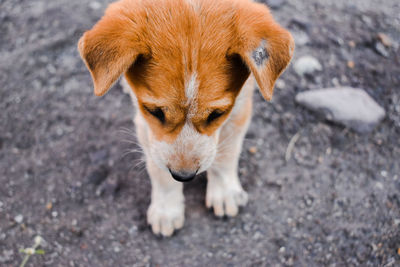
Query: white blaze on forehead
{"type": "Point", "coordinates": [193, 3]}
{"type": "Point", "coordinates": [191, 90]}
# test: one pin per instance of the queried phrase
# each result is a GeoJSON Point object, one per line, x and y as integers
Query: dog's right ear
{"type": "Point", "coordinates": [264, 46]}
{"type": "Point", "coordinates": [112, 45]}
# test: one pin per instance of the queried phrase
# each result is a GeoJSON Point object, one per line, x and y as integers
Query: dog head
{"type": "Point", "coordinates": [186, 61]}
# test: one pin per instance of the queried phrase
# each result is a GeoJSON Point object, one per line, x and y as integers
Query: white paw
{"type": "Point", "coordinates": [225, 198]}
{"type": "Point", "coordinates": [164, 219]}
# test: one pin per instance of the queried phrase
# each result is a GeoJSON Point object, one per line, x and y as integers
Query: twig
{"type": "Point", "coordinates": [290, 146]}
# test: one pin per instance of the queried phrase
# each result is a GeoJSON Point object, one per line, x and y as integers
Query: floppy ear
{"type": "Point", "coordinates": [111, 46]}
{"type": "Point", "coordinates": [264, 46]}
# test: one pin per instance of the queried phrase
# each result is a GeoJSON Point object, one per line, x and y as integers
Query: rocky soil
{"type": "Point", "coordinates": [331, 199]}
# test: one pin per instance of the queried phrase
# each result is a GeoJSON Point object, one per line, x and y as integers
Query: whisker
{"type": "Point", "coordinates": [134, 142]}
{"type": "Point", "coordinates": [131, 151]}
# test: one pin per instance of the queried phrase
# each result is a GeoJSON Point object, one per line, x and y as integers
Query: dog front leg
{"type": "Point", "coordinates": [166, 211]}
{"type": "Point", "coordinates": [224, 191]}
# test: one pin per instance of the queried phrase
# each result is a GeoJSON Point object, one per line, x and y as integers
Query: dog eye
{"type": "Point", "coordinates": [214, 115]}
{"type": "Point", "coordinates": [156, 112]}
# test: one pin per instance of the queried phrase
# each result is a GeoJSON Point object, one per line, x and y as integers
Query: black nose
{"type": "Point", "coordinates": [183, 176]}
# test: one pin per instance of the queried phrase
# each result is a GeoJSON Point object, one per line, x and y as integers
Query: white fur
{"type": "Point", "coordinates": [191, 90]}
{"type": "Point", "coordinates": [220, 102]}
{"type": "Point", "coordinates": [194, 4]}
{"type": "Point", "coordinates": [199, 152]}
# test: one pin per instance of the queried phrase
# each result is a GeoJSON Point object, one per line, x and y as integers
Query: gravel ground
{"type": "Point", "coordinates": [64, 175]}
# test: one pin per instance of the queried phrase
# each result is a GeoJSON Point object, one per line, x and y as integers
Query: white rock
{"type": "Point", "coordinates": [95, 5]}
{"type": "Point", "coordinates": [19, 218]}
{"type": "Point", "coordinates": [301, 38]}
{"type": "Point", "coordinates": [379, 185]}
{"type": "Point", "coordinates": [351, 107]}
{"type": "Point", "coordinates": [307, 65]}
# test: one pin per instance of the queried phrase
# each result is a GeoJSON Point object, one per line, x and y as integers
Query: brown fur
{"type": "Point", "coordinates": [157, 53]}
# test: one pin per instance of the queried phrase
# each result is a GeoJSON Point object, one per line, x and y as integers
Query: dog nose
{"type": "Point", "coordinates": [183, 176]}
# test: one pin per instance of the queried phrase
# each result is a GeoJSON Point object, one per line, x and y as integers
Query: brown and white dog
{"type": "Point", "coordinates": [190, 66]}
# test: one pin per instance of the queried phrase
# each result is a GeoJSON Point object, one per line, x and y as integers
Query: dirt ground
{"type": "Point", "coordinates": [64, 175]}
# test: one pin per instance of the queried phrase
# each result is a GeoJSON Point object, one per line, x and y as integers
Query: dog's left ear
{"type": "Point", "coordinates": [263, 45]}
{"type": "Point", "coordinates": [113, 45]}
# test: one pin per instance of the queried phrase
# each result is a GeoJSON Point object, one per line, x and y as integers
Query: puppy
{"type": "Point", "coordinates": [191, 67]}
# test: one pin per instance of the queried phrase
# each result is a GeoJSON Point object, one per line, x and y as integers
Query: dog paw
{"type": "Point", "coordinates": [225, 200]}
{"type": "Point", "coordinates": [165, 220]}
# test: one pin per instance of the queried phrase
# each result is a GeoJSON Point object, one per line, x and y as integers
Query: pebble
{"type": "Point", "coordinates": [253, 150]}
{"type": "Point", "coordinates": [307, 65]}
{"type": "Point", "coordinates": [95, 5]}
{"type": "Point", "coordinates": [133, 230]}
{"type": "Point", "coordinates": [275, 4]}
{"type": "Point", "coordinates": [301, 38]}
{"type": "Point", "coordinates": [350, 64]}
{"type": "Point", "coordinates": [384, 39]}
{"type": "Point", "coordinates": [348, 106]}
{"type": "Point", "coordinates": [109, 187]}
{"type": "Point", "coordinates": [381, 50]}
{"type": "Point", "coordinates": [19, 218]}
{"type": "Point", "coordinates": [379, 185]}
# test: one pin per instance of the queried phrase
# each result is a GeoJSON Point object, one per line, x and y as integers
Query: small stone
{"type": "Point", "coordinates": [308, 200]}
{"type": "Point", "coordinates": [109, 187]}
{"type": "Point", "coordinates": [253, 150]}
{"type": "Point", "coordinates": [307, 65]}
{"type": "Point", "coordinates": [19, 218]}
{"type": "Point", "coordinates": [301, 38]}
{"type": "Point", "coordinates": [282, 250]}
{"type": "Point", "coordinates": [348, 106]}
{"type": "Point", "coordinates": [280, 84]}
{"type": "Point", "coordinates": [257, 235]}
{"type": "Point", "coordinates": [38, 240]}
{"type": "Point", "coordinates": [350, 64]}
{"type": "Point", "coordinates": [352, 44]}
{"type": "Point", "coordinates": [381, 50]}
{"type": "Point", "coordinates": [94, 5]}
{"type": "Point", "coordinates": [54, 214]}
{"type": "Point", "coordinates": [384, 39]}
{"type": "Point", "coordinates": [133, 230]}
{"type": "Point", "coordinates": [275, 4]}
{"type": "Point", "coordinates": [379, 185]}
